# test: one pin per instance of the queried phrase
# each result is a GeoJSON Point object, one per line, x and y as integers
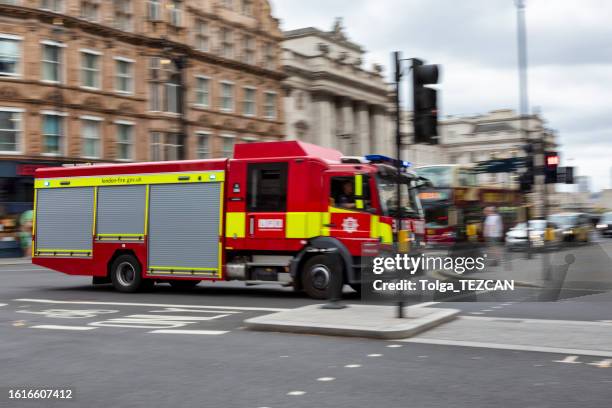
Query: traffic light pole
{"type": "Point", "coordinates": [398, 151]}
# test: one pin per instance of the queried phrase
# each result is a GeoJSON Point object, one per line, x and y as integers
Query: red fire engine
{"type": "Point", "coordinates": [286, 212]}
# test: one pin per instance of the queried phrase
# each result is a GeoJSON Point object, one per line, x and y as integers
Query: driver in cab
{"type": "Point", "coordinates": [346, 199]}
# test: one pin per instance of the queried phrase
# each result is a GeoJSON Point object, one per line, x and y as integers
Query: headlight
{"type": "Point", "coordinates": [568, 232]}
{"type": "Point", "coordinates": [602, 226]}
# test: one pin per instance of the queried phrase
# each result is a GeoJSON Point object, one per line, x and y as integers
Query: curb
{"type": "Point", "coordinates": [290, 322]}
{"type": "Point", "coordinates": [15, 261]}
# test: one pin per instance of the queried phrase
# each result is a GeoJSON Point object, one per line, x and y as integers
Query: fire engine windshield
{"type": "Point", "coordinates": [387, 191]}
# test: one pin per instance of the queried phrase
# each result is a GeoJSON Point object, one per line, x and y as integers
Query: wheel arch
{"type": "Point", "coordinates": [318, 246]}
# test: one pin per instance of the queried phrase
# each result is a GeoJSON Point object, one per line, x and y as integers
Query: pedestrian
{"type": "Point", "coordinates": [493, 233]}
{"type": "Point", "coordinates": [25, 233]}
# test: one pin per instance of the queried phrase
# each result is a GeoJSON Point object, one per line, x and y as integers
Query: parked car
{"type": "Point", "coordinates": [604, 226]}
{"type": "Point", "coordinates": [575, 227]}
{"type": "Point", "coordinates": [516, 237]}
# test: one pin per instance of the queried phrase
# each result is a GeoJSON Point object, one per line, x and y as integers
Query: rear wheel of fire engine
{"type": "Point", "coordinates": [184, 284]}
{"type": "Point", "coordinates": [319, 274]}
{"type": "Point", "coordinates": [126, 274]}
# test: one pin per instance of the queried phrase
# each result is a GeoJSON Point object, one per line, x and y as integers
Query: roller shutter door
{"type": "Point", "coordinates": [121, 210]}
{"type": "Point", "coordinates": [184, 226]}
{"type": "Point", "coordinates": [64, 218]}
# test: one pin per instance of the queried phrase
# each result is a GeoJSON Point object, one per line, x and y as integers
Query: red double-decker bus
{"type": "Point", "coordinates": [454, 204]}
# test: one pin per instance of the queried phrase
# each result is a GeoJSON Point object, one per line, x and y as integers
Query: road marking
{"type": "Point", "coordinates": [179, 310]}
{"type": "Point", "coordinates": [76, 302]}
{"type": "Point", "coordinates": [476, 313]}
{"type": "Point", "coordinates": [602, 363]}
{"type": "Point", "coordinates": [569, 360]}
{"type": "Point", "coordinates": [176, 318]}
{"type": "Point", "coordinates": [296, 393]}
{"type": "Point", "coordinates": [352, 366]}
{"type": "Point", "coordinates": [69, 314]}
{"type": "Point", "coordinates": [54, 327]}
{"type": "Point", "coordinates": [394, 346]}
{"type": "Point", "coordinates": [515, 347]}
{"type": "Point", "coordinates": [374, 355]}
{"type": "Point", "coordinates": [539, 321]}
{"type": "Point", "coordinates": [199, 332]}
{"type": "Point", "coordinates": [2, 304]}
{"type": "Point", "coordinates": [326, 379]}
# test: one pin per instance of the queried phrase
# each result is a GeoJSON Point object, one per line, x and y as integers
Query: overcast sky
{"type": "Point", "coordinates": [570, 59]}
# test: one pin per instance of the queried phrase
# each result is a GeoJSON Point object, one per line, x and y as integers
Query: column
{"type": "Point", "coordinates": [323, 134]}
{"type": "Point", "coordinates": [379, 139]}
{"type": "Point", "coordinates": [348, 131]}
{"type": "Point", "coordinates": [363, 118]}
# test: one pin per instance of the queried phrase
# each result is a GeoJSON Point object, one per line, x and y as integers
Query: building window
{"type": "Point", "coordinates": [10, 130]}
{"type": "Point", "coordinates": [247, 7]}
{"type": "Point", "coordinates": [90, 69]}
{"type": "Point", "coordinates": [248, 104]}
{"type": "Point", "coordinates": [166, 146]}
{"type": "Point", "coordinates": [270, 105]}
{"type": "Point", "coordinates": [90, 133]}
{"type": "Point", "coordinates": [164, 87]}
{"type": "Point", "coordinates": [227, 43]}
{"type": "Point", "coordinates": [123, 15]}
{"type": "Point", "coordinates": [125, 141]}
{"type": "Point", "coordinates": [10, 55]}
{"type": "Point", "coordinates": [269, 56]}
{"type": "Point", "coordinates": [172, 96]}
{"type": "Point", "coordinates": [203, 92]}
{"type": "Point", "coordinates": [56, 6]}
{"type": "Point", "coordinates": [227, 146]}
{"type": "Point", "coordinates": [201, 36]}
{"type": "Point", "coordinates": [154, 10]}
{"type": "Point", "coordinates": [227, 97]}
{"type": "Point", "coordinates": [175, 9]}
{"type": "Point", "coordinates": [89, 9]}
{"type": "Point", "coordinates": [124, 82]}
{"type": "Point", "coordinates": [203, 150]}
{"type": "Point", "coordinates": [248, 56]}
{"type": "Point", "coordinates": [53, 134]}
{"type": "Point", "coordinates": [52, 62]}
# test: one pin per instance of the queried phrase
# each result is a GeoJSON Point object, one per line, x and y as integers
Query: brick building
{"type": "Point", "coordinates": [133, 80]}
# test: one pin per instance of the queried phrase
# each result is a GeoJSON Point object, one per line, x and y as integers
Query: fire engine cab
{"type": "Point", "coordinates": [286, 212]}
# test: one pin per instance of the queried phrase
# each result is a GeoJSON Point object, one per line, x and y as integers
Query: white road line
{"type": "Point", "coordinates": [179, 310]}
{"type": "Point", "coordinates": [76, 302]}
{"type": "Point", "coordinates": [199, 332]}
{"type": "Point", "coordinates": [53, 327]}
{"type": "Point", "coordinates": [175, 318]}
{"type": "Point", "coordinates": [326, 379]}
{"type": "Point", "coordinates": [3, 304]}
{"type": "Point", "coordinates": [539, 321]}
{"type": "Point", "coordinates": [296, 393]}
{"type": "Point", "coordinates": [515, 347]}
{"type": "Point", "coordinates": [352, 366]}
{"type": "Point", "coordinates": [569, 360]}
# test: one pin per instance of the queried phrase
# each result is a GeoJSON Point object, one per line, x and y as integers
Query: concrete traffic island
{"type": "Point", "coordinates": [369, 321]}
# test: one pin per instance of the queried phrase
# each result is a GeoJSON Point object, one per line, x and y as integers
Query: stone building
{"type": "Point", "coordinates": [330, 98]}
{"type": "Point", "coordinates": [133, 80]}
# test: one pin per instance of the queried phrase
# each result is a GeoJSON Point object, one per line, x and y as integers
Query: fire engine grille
{"type": "Point", "coordinates": [64, 219]}
{"type": "Point", "coordinates": [121, 210]}
{"type": "Point", "coordinates": [184, 226]}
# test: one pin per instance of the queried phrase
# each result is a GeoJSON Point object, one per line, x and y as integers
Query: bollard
{"type": "Point", "coordinates": [335, 292]}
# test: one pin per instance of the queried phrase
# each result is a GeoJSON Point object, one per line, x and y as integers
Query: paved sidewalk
{"type": "Point", "coordinates": [354, 320]}
{"type": "Point", "coordinates": [15, 261]}
{"type": "Point", "coordinates": [554, 336]}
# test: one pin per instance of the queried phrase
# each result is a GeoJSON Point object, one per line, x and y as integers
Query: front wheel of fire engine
{"type": "Point", "coordinates": [320, 275]}
{"type": "Point", "coordinates": [126, 274]}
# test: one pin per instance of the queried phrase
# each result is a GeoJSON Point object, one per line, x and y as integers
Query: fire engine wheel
{"type": "Point", "coordinates": [184, 284]}
{"type": "Point", "coordinates": [126, 274]}
{"type": "Point", "coordinates": [319, 274]}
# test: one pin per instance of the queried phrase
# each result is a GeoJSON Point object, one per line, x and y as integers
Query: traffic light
{"type": "Point", "coordinates": [425, 102]}
{"type": "Point", "coordinates": [565, 175]}
{"type": "Point", "coordinates": [551, 164]}
{"type": "Point", "coordinates": [527, 178]}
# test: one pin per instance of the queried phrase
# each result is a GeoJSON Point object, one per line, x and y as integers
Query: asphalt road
{"type": "Point", "coordinates": [188, 349]}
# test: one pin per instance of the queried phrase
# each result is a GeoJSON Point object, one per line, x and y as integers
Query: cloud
{"type": "Point", "coordinates": [570, 58]}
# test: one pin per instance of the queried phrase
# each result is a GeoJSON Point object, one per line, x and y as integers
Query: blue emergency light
{"type": "Point", "coordinates": [379, 158]}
